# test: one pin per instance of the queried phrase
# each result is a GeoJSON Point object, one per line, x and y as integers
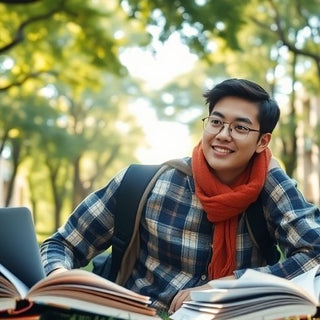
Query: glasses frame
{"type": "Point", "coordinates": [229, 129]}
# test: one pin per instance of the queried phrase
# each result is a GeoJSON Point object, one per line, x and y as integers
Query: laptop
{"type": "Point", "coordinates": [19, 249]}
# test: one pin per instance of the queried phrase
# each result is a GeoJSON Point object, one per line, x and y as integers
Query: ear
{"type": "Point", "coordinates": [263, 142]}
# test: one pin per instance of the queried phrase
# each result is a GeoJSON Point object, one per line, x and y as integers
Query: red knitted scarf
{"type": "Point", "coordinates": [224, 203]}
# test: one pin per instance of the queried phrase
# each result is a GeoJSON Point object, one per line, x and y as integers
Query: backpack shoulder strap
{"type": "Point", "coordinates": [133, 248]}
{"type": "Point", "coordinates": [258, 230]}
{"type": "Point", "coordinates": [128, 197]}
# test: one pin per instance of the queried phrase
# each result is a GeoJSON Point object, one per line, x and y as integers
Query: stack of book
{"type": "Point", "coordinates": [255, 296]}
{"type": "Point", "coordinates": [69, 292]}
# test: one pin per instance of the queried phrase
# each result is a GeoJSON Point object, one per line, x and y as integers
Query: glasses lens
{"type": "Point", "coordinates": [212, 125]}
{"type": "Point", "coordinates": [215, 125]}
{"type": "Point", "coordinates": [238, 131]}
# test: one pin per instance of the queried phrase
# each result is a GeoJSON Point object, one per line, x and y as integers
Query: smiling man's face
{"type": "Point", "coordinates": [229, 157]}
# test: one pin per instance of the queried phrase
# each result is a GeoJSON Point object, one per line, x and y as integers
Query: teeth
{"type": "Point", "coordinates": [222, 150]}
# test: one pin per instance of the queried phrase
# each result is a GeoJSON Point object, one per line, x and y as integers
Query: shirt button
{"type": "Point", "coordinates": [204, 277]}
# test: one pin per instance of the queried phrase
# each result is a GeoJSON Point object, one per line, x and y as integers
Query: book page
{"type": "Point", "coordinates": [189, 314]}
{"type": "Point", "coordinates": [226, 295]}
{"type": "Point", "coordinates": [7, 304]}
{"type": "Point", "coordinates": [317, 286]}
{"type": "Point", "coordinates": [74, 304]}
{"type": "Point", "coordinates": [89, 282]}
{"type": "Point", "coordinates": [82, 290]}
{"type": "Point", "coordinates": [256, 279]}
{"type": "Point", "coordinates": [255, 295]}
{"type": "Point", "coordinates": [264, 307]}
{"type": "Point", "coordinates": [270, 312]}
{"type": "Point", "coordinates": [84, 296]}
{"type": "Point", "coordinates": [308, 281]}
{"type": "Point", "coordinates": [16, 285]}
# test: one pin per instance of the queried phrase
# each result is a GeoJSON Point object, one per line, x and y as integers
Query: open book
{"type": "Point", "coordinates": [255, 296]}
{"type": "Point", "coordinates": [77, 290]}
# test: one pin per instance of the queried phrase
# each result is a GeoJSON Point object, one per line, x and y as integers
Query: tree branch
{"type": "Point", "coordinates": [25, 78]}
{"type": "Point", "coordinates": [18, 1]}
{"type": "Point", "coordinates": [282, 37]}
{"type": "Point", "coordinates": [19, 37]}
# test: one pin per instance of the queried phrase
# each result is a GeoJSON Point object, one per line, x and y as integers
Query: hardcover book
{"type": "Point", "coordinates": [73, 290]}
{"type": "Point", "coordinates": [254, 296]}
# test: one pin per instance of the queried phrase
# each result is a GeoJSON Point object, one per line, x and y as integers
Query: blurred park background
{"type": "Point", "coordinates": [89, 86]}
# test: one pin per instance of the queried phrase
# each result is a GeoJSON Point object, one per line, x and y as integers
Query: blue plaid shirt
{"type": "Point", "coordinates": [176, 236]}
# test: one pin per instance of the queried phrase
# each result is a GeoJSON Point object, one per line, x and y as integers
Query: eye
{"type": "Point", "coordinates": [240, 128]}
{"type": "Point", "coordinates": [215, 122]}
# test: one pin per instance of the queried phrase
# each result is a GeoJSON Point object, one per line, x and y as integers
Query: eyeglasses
{"type": "Point", "coordinates": [236, 129]}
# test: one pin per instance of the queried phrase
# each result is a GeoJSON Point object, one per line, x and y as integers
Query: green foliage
{"type": "Point", "coordinates": [66, 94]}
{"type": "Point", "coordinates": [197, 21]}
{"type": "Point", "coordinates": [61, 96]}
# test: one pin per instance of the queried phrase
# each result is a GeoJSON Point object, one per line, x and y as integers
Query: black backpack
{"type": "Point", "coordinates": [130, 193]}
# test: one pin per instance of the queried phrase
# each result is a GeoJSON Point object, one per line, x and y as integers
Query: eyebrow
{"type": "Point", "coordinates": [241, 119]}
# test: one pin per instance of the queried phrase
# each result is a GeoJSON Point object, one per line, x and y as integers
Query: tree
{"type": "Point", "coordinates": [49, 47]}
{"type": "Point", "coordinates": [20, 129]}
{"type": "Point", "coordinates": [272, 35]}
{"type": "Point", "coordinates": [196, 21]}
{"type": "Point", "coordinates": [294, 26]}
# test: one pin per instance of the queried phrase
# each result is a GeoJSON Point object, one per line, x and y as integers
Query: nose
{"type": "Point", "coordinates": [225, 131]}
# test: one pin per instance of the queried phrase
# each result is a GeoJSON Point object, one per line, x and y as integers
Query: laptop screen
{"type": "Point", "coordinates": [19, 249]}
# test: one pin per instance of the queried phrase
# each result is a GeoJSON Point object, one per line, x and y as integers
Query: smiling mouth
{"type": "Point", "coordinates": [222, 150]}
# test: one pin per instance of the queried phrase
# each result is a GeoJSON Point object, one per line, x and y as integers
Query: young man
{"type": "Point", "coordinates": [192, 227]}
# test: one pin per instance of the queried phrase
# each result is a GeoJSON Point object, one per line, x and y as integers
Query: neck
{"type": "Point", "coordinates": [227, 177]}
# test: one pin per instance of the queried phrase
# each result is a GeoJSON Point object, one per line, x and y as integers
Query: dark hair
{"type": "Point", "coordinates": [269, 111]}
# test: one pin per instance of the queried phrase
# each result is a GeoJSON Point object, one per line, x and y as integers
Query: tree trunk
{"type": "Point", "coordinates": [16, 148]}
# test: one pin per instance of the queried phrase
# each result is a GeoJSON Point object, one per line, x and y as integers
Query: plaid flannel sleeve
{"type": "Point", "coordinates": [294, 222]}
{"type": "Point", "coordinates": [87, 231]}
